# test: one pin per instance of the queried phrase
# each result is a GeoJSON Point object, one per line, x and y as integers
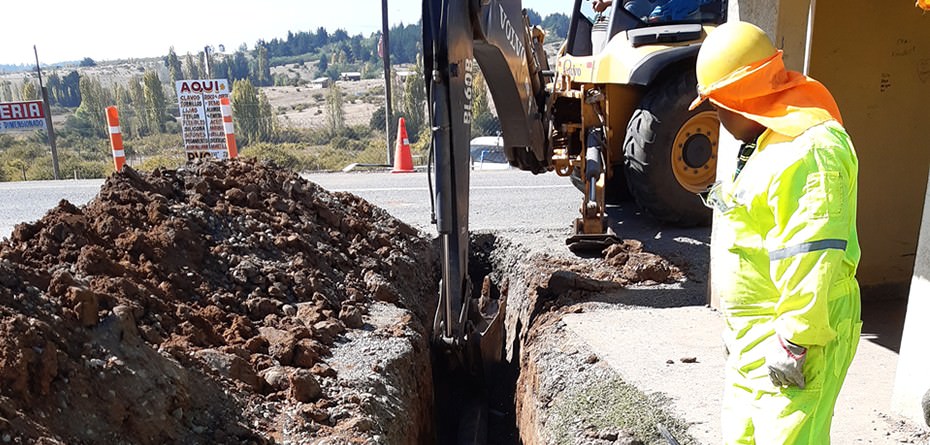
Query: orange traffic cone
{"type": "Point", "coordinates": [403, 161]}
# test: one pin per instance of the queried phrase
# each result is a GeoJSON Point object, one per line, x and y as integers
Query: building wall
{"type": "Point", "coordinates": [875, 58]}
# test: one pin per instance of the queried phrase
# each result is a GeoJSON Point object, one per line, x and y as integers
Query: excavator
{"type": "Point", "coordinates": [610, 113]}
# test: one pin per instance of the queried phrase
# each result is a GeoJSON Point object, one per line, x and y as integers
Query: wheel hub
{"type": "Point", "coordinates": [694, 153]}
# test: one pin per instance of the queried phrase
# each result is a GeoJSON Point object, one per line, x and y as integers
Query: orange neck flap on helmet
{"type": "Point", "coordinates": [787, 102]}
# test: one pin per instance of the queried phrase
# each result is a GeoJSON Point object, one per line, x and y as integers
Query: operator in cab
{"type": "Point", "coordinates": [656, 11]}
{"type": "Point", "coordinates": [786, 223]}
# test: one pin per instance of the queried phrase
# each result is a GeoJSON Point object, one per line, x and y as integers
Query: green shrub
{"type": "Point", "coordinates": [284, 155]}
{"type": "Point", "coordinates": [164, 160]}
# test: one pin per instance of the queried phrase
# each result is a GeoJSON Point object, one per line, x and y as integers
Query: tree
{"type": "Point", "coordinates": [534, 17]}
{"type": "Point", "coordinates": [414, 103]}
{"type": "Point", "coordinates": [262, 73]}
{"type": "Point", "coordinates": [239, 67]}
{"type": "Point", "coordinates": [484, 123]}
{"type": "Point", "coordinates": [335, 114]}
{"type": "Point", "coordinates": [323, 64]}
{"type": "Point", "coordinates": [321, 38]}
{"type": "Point", "coordinates": [53, 85]}
{"type": "Point", "coordinates": [141, 120]}
{"type": "Point", "coordinates": [30, 91]}
{"type": "Point", "coordinates": [6, 91]}
{"type": "Point", "coordinates": [87, 62]}
{"type": "Point", "coordinates": [253, 119]}
{"type": "Point", "coordinates": [155, 103]}
{"type": "Point", "coordinates": [123, 101]}
{"type": "Point", "coordinates": [191, 67]}
{"type": "Point", "coordinates": [203, 65]}
{"type": "Point", "coordinates": [90, 116]}
{"type": "Point", "coordinates": [70, 90]}
{"type": "Point", "coordinates": [173, 63]}
{"type": "Point", "coordinates": [556, 24]}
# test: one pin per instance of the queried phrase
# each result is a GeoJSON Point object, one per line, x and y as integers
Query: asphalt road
{"type": "Point", "coordinates": [28, 201]}
{"type": "Point", "coordinates": [499, 200]}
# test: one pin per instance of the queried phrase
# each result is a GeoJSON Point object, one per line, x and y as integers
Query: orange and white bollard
{"type": "Point", "coordinates": [228, 128]}
{"type": "Point", "coordinates": [116, 138]}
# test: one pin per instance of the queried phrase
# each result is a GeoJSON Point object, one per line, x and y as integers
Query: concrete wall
{"type": "Point", "coordinates": [874, 56]}
{"type": "Point", "coordinates": [913, 374]}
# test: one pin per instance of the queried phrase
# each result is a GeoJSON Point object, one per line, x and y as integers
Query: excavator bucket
{"type": "Point", "coordinates": [592, 243]}
{"type": "Point", "coordinates": [592, 233]}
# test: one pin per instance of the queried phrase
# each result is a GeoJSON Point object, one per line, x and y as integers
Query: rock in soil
{"type": "Point", "coordinates": [197, 305]}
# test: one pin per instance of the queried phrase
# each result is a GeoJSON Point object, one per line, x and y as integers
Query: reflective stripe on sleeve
{"type": "Point", "coordinates": [812, 246]}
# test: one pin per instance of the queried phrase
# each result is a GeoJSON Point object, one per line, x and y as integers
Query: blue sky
{"type": "Point", "coordinates": [110, 29]}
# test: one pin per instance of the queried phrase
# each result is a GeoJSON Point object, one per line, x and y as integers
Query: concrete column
{"type": "Point", "coordinates": [913, 375]}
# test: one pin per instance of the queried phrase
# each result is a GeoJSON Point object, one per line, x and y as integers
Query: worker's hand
{"type": "Point", "coordinates": [601, 5]}
{"type": "Point", "coordinates": [785, 361]}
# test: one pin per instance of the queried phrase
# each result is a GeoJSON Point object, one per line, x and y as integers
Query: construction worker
{"type": "Point", "coordinates": [788, 250]}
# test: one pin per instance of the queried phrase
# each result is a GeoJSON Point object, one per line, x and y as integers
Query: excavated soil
{"type": "Point", "coordinates": [218, 303]}
{"type": "Point", "coordinates": [201, 306]}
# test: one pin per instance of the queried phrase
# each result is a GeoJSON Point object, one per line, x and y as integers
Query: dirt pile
{"type": "Point", "coordinates": [196, 306]}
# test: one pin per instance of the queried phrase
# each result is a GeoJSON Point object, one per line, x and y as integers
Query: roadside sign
{"type": "Point", "coordinates": [202, 117]}
{"type": "Point", "coordinates": [29, 115]}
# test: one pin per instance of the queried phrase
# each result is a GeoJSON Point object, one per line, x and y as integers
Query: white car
{"type": "Point", "coordinates": [487, 153]}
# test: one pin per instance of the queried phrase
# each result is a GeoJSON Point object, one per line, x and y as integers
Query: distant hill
{"type": "Point", "coordinates": [10, 69]}
{"type": "Point", "coordinates": [5, 69]}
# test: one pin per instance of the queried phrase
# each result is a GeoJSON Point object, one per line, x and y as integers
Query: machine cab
{"type": "Point", "coordinates": [591, 30]}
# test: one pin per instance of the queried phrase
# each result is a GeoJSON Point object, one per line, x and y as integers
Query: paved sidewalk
{"type": "Point", "coordinates": [646, 347]}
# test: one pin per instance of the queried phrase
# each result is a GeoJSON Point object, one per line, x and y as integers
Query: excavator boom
{"type": "Point", "coordinates": [458, 37]}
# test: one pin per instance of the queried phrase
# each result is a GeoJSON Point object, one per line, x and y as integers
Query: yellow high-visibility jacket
{"type": "Point", "coordinates": [785, 262]}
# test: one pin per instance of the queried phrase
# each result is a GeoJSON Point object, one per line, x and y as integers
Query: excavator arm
{"type": "Point", "coordinates": [459, 36]}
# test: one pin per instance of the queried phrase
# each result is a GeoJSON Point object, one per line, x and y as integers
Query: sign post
{"type": "Point", "coordinates": [48, 116]}
{"type": "Point", "coordinates": [202, 117]}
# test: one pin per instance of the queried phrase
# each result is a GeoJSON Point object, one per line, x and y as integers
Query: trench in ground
{"type": "Point", "coordinates": [547, 387]}
{"type": "Point", "coordinates": [476, 404]}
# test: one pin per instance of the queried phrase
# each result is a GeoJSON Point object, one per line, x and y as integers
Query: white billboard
{"type": "Point", "coordinates": [202, 117]}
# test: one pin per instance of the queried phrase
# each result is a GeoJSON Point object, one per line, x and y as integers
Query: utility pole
{"type": "Point", "coordinates": [206, 61]}
{"type": "Point", "coordinates": [386, 56]}
{"type": "Point", "coordinates": [48, 116]}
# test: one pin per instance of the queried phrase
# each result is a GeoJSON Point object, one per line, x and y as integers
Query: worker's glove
{"type": "Point", "coordinates": [785, 361]}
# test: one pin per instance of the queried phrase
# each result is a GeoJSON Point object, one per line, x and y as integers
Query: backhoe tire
{"type": "Point", "coordinates": [670, 153]}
